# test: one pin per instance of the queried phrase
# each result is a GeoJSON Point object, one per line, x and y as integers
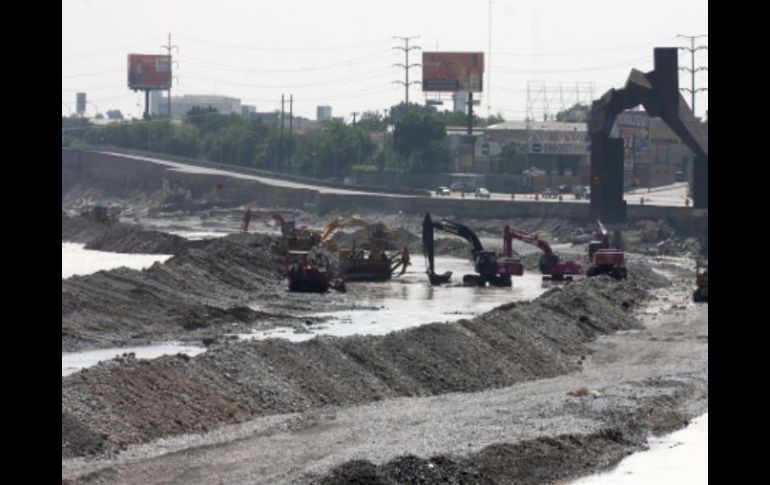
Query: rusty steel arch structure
{"type": "Point", "coordinates": [658, 92]}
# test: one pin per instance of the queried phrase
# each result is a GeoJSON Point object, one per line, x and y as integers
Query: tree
{"type": "Point", "coordinates": [415, 131]}
{"type": "Point", "coordinates": [371, 121]}
{"type": "Point", "coordinates": [510, 160]}
{"type": "Point", "coordinates": [577, 113]}
{"type": "Point", "coordinates": [114, 114]}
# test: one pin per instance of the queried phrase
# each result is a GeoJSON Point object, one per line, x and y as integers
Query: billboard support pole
{"type": "Point", "coordinates": [146, 104]}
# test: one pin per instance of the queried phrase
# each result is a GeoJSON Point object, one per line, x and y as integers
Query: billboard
{"type": "Point", "coordinates": [149, 71]}
{"type": "Point", "coordinates": [80, 103]}
{"type": "Point", "coordinates": [453, 71]}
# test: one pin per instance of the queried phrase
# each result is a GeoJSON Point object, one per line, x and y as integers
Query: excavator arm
{"type": "Point", "coordinates": [549, 263]}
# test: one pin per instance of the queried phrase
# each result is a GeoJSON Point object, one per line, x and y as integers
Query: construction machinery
{"type": "Point", "coordinates": [550, 265]}
{"type": "Point", "coordinates": [701, 293]}
{"type": "Point", "coordinates": [309, 272]}
{"type": "Point", "coordinates": [605, 259]}
{"type": "Point", "coordinates": [491, 268]}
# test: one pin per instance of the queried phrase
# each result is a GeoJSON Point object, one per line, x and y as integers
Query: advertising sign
{"type": "Point", "coordinates": [80, 100]}
{"type": "Point", "coordinates": [453, 71]}
{"type": "Point", "coordinates": [149, 71]}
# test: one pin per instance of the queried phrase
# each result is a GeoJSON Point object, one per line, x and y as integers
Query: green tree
{"type": "Point", "coordinates": [510, 160]}
{"type": "Point", "coordinates": [415, 131]}
{"type": "Point", "coordinates": [577, 113]}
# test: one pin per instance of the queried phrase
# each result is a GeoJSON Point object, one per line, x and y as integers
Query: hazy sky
{"type": "Point", "coordinates": [339, 52]}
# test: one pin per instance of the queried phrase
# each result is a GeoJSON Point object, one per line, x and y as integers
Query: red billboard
{"type": "Point", "coordinates": [452, 71]}
{"type": "Point", "coordinates": [149, 71]}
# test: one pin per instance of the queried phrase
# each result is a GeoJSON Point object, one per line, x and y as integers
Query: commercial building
{"type": "Point", "coordinates": [323, 113]}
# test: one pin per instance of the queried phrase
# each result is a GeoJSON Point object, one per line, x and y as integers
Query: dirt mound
{"type": "Point", "coordinates": [119, 238]}
{"type": "Point", "coordinates": [542, 460]}
{"type": "Point", "coordinates": [205, 285]}
{"type": "Point", "coordinates": [137, 401]}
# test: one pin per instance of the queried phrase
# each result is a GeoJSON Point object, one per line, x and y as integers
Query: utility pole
{"type": "Point", "coordinates": [291, 125]}
{"type": "Point", "coordinates": [406, 64]}
{"type": "Point", "coordinates": [168, 49]}
{"type": "Point", "coordinates": [359, 138]}
{"type": "Point", "coordinates": [280, 145]}
{"type": "Point", "coordinates": [692, 70]}
{"type": "Point", "coordinates": [489, 64]}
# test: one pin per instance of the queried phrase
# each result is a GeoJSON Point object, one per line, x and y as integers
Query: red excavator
{"type": "Point", "coordinates": [307, 274]}
{"type": "Point", "coordinates": [549, 265]}
{"type": "Point", "coordinates": [490, 267]}
{"type": "Point", "coordinates": [604, 258]}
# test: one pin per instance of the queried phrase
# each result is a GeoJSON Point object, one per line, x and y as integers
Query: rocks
{"type": "Point", "coordinates": [126, 401]}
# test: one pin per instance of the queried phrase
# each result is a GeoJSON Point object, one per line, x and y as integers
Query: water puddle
{"type": "Point", "coordinates": [409, 301]}
{"type": "Point", "coordinates": [74, 361]}
{"type": "Point", "coordinates": [76, 260]}
{"type": "Point", "coordinates": [680, 458]}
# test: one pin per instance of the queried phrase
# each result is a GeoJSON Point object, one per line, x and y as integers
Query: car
{"type": "Point", "coordinates": [581, 191]}
{"type": "Point", "coordinates": [549, 193]}
{"type": "Point", "coordinates": [443, 191]}
{"type": "Point", "coordinates": [564, 189]}
{"type": "Point", "coordinates": [481, 192]}
{"type": "Point", "coordinates": [462, 187]}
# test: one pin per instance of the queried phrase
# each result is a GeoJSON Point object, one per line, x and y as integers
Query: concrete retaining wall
{"type": "Point", "coordinates": [119, 176]}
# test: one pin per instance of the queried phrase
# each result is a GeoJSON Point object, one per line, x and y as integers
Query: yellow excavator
{"type": "Point", "coordinates": [374, 264]}
{"type": "Point", "coordinates": [701, 293]}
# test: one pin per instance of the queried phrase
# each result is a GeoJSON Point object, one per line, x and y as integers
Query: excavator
{"type": "Point", "coordinates": [358, 264]}
{"type": "Point", "coordinates": [549, 265]}
{"type": "Point", "coordinates": [604, 258]}
{"type": "Point", "coordinates": [490, 267]}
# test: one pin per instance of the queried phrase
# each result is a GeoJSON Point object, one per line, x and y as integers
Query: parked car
{"type": "Point", "coordinates": [581, 191]}
{"type": "Point", "coordinates": [461, 187]}
{"type": "Point", "coordinates": [564, 189]}
{"type": "Point", "coordinates": [549, 193]}
{"type": "Point", "coordinates": [482, 193]}
{"type": "Point", "coordinates": [443, 191]}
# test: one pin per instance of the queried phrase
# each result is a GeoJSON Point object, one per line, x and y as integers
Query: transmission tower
{"type": "Point", "coordinates": [406, 48]}
{"type": "Point", "coordinates": [692, 69]}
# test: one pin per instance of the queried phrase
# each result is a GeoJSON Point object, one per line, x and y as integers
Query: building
{"type": "Point", "coordinates": [248, 111]}
{"type": "Point", "coordinates": [181, 105]}
{"type": "Point", "coordinates": [460, 102]}
{"type": "Point", "coordinates": [323, 113]}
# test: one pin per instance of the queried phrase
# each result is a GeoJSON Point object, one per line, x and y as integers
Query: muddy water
{"type": "Point", "coordinates": [409, 301]}
{"type": "Point", "coordinates": [680, 458]}
{"type": "Point", "coordinates": [76, 260]}
{"type": "Point", "coordinates": [74, 361]}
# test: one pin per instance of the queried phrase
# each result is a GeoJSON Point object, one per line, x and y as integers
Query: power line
{"type": "Point", "coordinates": [406, 64]}
{"type": "Point", "coordinates": [357, 45]}
{"type": "Point", "coordinates": [692, 70]}
{"type": "Point", "coordinates": [340, 64]}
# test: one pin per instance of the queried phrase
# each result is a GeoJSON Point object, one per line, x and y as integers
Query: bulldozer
{"type": "Point", "coordinates": [371, 264]}
{"type": "Point", "coordinates": [701, 293]}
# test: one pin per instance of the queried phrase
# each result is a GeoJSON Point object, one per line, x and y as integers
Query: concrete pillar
{"type": "Point", "coordinates": [607, 202]}
{"type": "Point", "coordinates": [700, 189]}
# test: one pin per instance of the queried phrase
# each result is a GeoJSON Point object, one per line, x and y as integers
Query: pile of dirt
{"type": "Point", "coordinates": [137, 401]}
{"type": "Point", "coordinates": [203, 287]}
{"type": "Point", "coordinates": [659, 238]}
{"type": "Point", "coordinates": [119, 238]}
{"type": "Point", "coordinates": [542, 460]}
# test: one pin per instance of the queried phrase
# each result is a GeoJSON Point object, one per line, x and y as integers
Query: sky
{"type": "Point", "coordinates": [340, 52]}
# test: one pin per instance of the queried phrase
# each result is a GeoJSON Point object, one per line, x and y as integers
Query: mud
{"type": "Point", "coordinates": [131, 401]}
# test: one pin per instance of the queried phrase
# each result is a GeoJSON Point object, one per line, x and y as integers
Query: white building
{"type": "Point", "coordinates": [323, 113]}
